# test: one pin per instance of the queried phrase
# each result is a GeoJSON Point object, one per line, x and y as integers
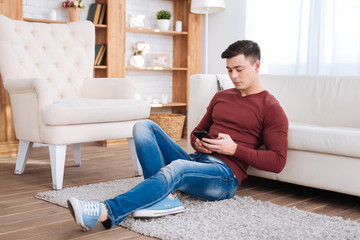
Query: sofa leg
{"type": "Point", "coordinates": [22, 156]}
{"type": "Point", "coordinates": [57, 159]}
{"type": "Point", "coordinates": [77, 154]}
{"type": "Point", "coordinates": [134, 158]}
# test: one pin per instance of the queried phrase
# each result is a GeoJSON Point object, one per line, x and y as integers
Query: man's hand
{"type": "Point", "coordinates": [222, 144]}
{"type": "Point", "coordinates": [200, 147]}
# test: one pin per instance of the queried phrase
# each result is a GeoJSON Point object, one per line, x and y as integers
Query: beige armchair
{"type": "Point", "coordinates": [48, 71]}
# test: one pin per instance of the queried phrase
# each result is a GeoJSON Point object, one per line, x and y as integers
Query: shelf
{"type": "Point", "coordinates": [62, 22]}
{"type": "Point", "coordinates": [173, 104]}
{"type": "Point", "coordinates": [100, 67]}
{"type": "Point", "coordinates": [100, 25]}
{"type": "Point", "coordinates": [154, 31]}
{"type": "Point", "coordinates": [156, 68]}
{"type": "Point", "coordinates": [43, 20]}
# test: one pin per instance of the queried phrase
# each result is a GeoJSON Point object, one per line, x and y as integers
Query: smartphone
{"type": "Point", "coordinates": [202, 134]}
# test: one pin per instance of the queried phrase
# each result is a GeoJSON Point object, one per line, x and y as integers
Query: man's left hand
{"type": "Point", "coordinates": [222, 144]}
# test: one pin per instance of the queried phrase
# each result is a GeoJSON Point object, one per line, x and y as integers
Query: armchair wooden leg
{"type": "Point", "coordinates": [57, 159]}
{"type": "Point", "coordinates": [135, 161]}
{"type": "Point", "coordinates": [22, 156]}
{"type": "Point", "coordinates": [77, 154]}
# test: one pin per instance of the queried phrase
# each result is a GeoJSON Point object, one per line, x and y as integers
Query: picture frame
{"type": "Point", "coordinates": [160, 60]}
{"type": "Point", "coordinates": [136, 21]}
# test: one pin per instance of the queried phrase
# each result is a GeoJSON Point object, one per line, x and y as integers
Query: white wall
{"type": "Point", "coordinates": [224, 28]}
{"type": "Point", "coordinates": [150, 83]}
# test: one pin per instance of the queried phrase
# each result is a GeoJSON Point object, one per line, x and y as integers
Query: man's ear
{"type": "Point", "coordinates": [257, 66]}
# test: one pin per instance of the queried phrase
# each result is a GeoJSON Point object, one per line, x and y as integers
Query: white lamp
{"type": "Point", "coordinates": [206, 7]}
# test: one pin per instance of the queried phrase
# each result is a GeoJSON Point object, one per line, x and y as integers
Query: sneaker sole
{"type": "Point", "coordinates": [74, 207]}
{"type": "Point", "coordinates": [157, 213]}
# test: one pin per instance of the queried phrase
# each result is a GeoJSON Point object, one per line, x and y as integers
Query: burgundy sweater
{"type": "Point", "coordinates": [251, 121]}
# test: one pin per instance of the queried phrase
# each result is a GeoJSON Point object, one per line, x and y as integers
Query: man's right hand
{"type": "Point", "coordinates": [200, 147]}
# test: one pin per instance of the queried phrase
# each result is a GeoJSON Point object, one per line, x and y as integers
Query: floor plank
{"type": "Point", "coordinates": [24, 217]}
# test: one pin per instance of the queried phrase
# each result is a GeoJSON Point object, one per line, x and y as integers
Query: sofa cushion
{"type": "Point", "coordinates": [82, 111]}
{"type": "Point", "coordinates": [224, 81]}
{"type": "Point", "coordinates": [322, 100]}
{"type": "Point", "coordinates": [333, 140]}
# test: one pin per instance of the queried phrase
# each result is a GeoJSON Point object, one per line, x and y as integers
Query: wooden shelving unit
{"type": "Point", "coordinates": [112, 34]}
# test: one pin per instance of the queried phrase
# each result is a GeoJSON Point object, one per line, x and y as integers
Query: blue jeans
{"type": "Point", "coordinates": [166, 167]}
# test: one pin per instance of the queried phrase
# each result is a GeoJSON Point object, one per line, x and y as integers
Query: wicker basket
{"type": "Point", "coordinates": [172, 124]}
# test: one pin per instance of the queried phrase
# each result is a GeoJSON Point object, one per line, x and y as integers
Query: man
{"type": "Point", "coordinates": [239, 120]}
{"type": "Point", "coordinates": [258, 120]}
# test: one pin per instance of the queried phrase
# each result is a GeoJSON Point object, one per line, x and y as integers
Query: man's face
{"type": "Point", "coordinates": [242, 71]}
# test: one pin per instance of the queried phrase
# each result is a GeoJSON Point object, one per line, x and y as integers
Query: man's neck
{"type": "Point", "coordinates": [256, 88]}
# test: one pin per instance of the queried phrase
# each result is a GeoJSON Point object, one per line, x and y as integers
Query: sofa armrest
{"type": "Point", "coordinates": [21, 85]}
{"type": "Point", "coordinates": [28, 96]}
{"type": "Point", "coordinates": [108, 88]}
{"type": "Point", "coordinates": [39, 86]}
{"type": "Point", "coordinates": [202, 88]}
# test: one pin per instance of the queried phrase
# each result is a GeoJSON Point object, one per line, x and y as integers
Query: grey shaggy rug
{"type": "Point", "coordinates": [236, 218]}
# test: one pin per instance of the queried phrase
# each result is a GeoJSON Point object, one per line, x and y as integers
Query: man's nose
{"type": "Point", "coordinates": [233, 74]}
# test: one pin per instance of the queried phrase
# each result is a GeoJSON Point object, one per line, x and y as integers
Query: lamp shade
{"type": "Point", "coordinates": [207, 6]}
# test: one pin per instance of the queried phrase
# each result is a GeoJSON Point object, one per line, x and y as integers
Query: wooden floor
{"type": "Point", "coordinates": [24, 217]}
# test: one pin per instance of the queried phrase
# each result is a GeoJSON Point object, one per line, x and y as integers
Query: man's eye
{"type": "Point", "coordinates": [238, 70]}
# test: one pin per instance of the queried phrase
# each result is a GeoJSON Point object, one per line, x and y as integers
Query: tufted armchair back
{"type": "Point", "coordinates": [60, 54]}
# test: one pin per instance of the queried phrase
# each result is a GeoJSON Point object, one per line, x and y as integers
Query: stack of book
{"type": "Point", "coordinates": [97, 12]}
{"type": "Point", "coordinates": [100, 50]}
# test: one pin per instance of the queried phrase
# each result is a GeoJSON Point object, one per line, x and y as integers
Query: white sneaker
{"type": "Point", "coordinates": [164, 207]}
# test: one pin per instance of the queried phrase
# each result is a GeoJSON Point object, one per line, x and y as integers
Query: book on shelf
{"type": "Point", "coordinates": [97, 12]}
{"type": "Point", "coordinates": [102, 14]}
{"type": "Point", "coordinates": [102, 54]}
{"type": "Point", "coordinates": [91, 13]}
{"type": "Point", "coordinates": [99, 53]}
{"type": "Point", "coordinates": [97, 49]}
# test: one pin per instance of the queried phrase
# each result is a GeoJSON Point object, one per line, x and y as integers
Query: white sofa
{"type": "Point", "coordinates": [324, 126]}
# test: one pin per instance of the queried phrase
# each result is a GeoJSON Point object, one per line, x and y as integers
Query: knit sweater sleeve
{"type": "Point", "coordinates": [275, 129]}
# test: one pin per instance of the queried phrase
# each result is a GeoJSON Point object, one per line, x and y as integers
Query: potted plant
{"type": "Point", "coordinates": [74, 9]}
{"type": "Point", "coordinates": [163, 18]}
{"type": "Point", "coordinates": [141, 49]}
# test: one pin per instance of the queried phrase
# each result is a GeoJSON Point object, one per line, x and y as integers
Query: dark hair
{"type": "Point", "coordinates": [246, 47]}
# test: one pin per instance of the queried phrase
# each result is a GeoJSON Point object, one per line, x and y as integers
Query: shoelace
{"type": "Point", "coordinates": [91, 208]}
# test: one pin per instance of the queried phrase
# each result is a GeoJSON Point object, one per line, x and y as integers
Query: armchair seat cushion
{"type": "Point", "coordinates": [333, 140]}
{"type": "Point", "coordinates": [85, 111]}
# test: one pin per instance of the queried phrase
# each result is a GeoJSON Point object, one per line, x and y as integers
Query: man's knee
{"type": "Point", "coordinates": [174, 169]}
{"type": "Point", "coordinates": [141, 126]}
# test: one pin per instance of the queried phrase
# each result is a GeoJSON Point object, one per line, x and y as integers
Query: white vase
{"type": "Point", "coordinates": [137, 61]}
{"type": "Point", "coordinates": [163, 24]}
